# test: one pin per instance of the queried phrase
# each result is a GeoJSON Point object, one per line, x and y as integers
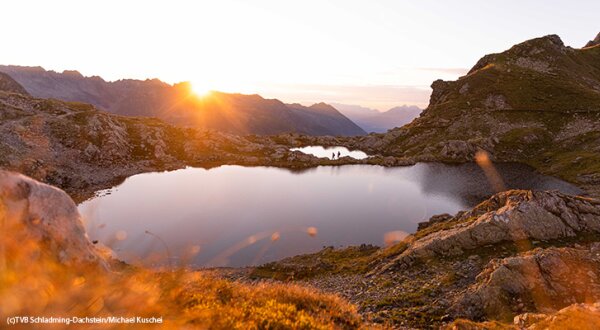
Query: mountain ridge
{"type": "Point", "coordinates": [374, 121]}
{"type": "Point", "coordinates": [177, 104]}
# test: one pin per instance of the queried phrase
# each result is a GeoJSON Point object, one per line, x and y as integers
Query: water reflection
{"type": "Point", "coordinates": [469, 182]}
{"type": "Point", "coordinates": [233, 215]}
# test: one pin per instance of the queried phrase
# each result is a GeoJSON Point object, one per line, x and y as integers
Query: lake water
{"type": "Point", "coordinates": [329, 152]}
{"type": "Point", "coordinates": [237, 216]}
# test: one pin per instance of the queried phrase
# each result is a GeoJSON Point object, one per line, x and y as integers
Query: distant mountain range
{"type": "Point", "coordinates": [177, 104]}
{"type": "Point", "coordinates": [374, 121]}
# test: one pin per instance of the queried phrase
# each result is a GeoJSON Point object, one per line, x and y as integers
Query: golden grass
{"type": "Point", "coordinates": [34, 283]}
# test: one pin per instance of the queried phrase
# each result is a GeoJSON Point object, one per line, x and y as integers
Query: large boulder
{"type": "Point", "coordinates": [46, 220]}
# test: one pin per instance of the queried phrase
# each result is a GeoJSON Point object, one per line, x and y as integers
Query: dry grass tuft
{"type": "Point", "coordinates": [33, 282]}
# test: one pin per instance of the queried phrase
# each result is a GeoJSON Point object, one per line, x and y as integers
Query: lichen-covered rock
{"type": "Point", "coordinates": [48, 218]}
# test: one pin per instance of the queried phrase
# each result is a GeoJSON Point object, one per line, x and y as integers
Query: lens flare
{"type": "Point", "coordinates": [392, 237]}
{"type": "Point", "coordinates": [482, 158]}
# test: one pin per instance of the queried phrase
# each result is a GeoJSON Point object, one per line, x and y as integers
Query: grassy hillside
{"type": "Point", "coordinates": [536, 103]}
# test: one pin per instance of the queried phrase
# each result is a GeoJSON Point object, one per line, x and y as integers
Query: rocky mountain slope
{"type": "Point", "coordinates": [177, 104]}
{"type": "Point", "coordinates": [536, 103]}
{"type": "Point", "coordinates": [374, 121]}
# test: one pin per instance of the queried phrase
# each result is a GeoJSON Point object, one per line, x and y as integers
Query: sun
{"type": "Point", "coordinates": [200, 89]}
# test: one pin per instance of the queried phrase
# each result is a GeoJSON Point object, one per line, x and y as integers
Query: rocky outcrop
{"type": "Point", "coordinates": [594, 42]}
{"type": "Point", "coordinates": [439, 90]}
{"type": "Point", "coordinates": [512, 216]}
{"type": "Point", "coordinates": [45, 219]}
{"type": "Point", "coordinates": [8, 84]}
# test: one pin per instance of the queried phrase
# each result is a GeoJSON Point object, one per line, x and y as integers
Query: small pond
{"type": "Point", "coordinates": [331, 152]}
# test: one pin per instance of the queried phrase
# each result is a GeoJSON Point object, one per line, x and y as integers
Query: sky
{"type": "Point", "coordinates": [375, 53]}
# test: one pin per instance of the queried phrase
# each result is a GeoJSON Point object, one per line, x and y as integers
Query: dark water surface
{"type": "Point", "coordinates": [237, 216]}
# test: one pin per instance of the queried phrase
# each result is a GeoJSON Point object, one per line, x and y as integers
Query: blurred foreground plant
{"type": "Point", "coordinates": [36, 279]}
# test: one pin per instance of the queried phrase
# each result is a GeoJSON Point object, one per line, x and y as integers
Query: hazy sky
{"type": "Point", "coordinates": [373, 53]}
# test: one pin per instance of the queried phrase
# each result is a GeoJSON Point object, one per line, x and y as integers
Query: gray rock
{"type": "Point", "coordinates": [48, 217]}
{"type": "Point", "coordinates": [457, 149]}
